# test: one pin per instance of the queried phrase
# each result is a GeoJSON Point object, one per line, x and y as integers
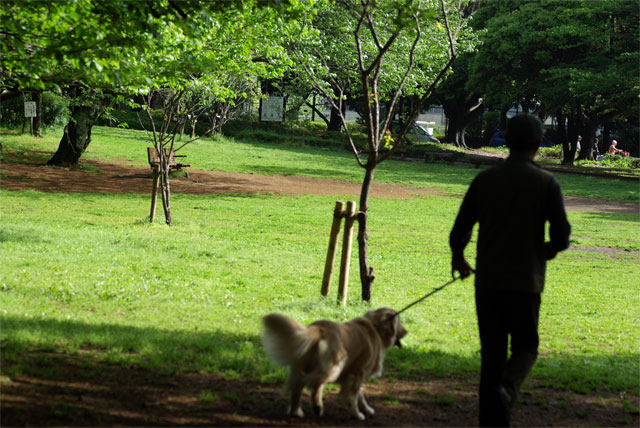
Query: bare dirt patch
{"type": "Point", "coordinates": [23, 173]}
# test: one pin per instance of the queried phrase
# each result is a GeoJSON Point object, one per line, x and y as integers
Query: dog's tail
{"type": "Point", "coordinates": [286, 340]}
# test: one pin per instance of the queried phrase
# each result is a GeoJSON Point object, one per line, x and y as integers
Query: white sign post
{"type": "Point", "coordinates": [272, 109]}
{"type": "Point", "coordinates": [30, 112]}
{"type": "Point", "coordinates": [30, 109]}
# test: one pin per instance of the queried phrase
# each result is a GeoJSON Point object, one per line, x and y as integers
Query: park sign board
{"type": "Point", "coordinates": [30, 109]}
{"type": "Point", "coordinates": [272, 109]}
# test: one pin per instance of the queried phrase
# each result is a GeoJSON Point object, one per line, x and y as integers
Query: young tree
{"type": "Point", "coordinates": [398, 48]}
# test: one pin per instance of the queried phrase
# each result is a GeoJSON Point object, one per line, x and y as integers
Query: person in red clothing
{"type": "Point", "coordinates": [512, 202]}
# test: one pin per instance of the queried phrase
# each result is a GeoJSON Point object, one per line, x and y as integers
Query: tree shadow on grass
{"type": "Point", "coordinates": [241, 354]}
{"type": "Point", "coordinates": [72, 373]}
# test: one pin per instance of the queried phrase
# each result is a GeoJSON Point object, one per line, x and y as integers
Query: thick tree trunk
{"type": "Point", "coordinates": [460, 113]}
{"type": "Point", "coordinates": [503, 119]}
{"type": "Point", "coordinates": [569, 146]}
{"type": "Point", "coordinates": [586, 149]}
{"type": "Point", "coordinates": [335, 124]}
{"type": "Point", "coordinates": [460, 142]}
{"type": "Point", "coordinates": [77, 136]}
{"type": "Point", "coordinates": [366, 271]}
{"type": "Point", "coordinates": [37, 121]}
{"type": "Point", "coordinates": [562, 128]}
{"type": "Point", "coordinates": [606, 137]}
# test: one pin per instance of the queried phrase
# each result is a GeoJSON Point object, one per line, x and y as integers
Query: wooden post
{"type": "Point", "coordinates": [346, 252]}
{"type": "Point", "coordinates": [154, 193]}
{"type": "Point", "coordinates": [338, 213]}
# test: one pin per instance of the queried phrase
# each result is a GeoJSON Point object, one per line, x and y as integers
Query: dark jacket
{"type": "Point", "coordinates": [512, 202]}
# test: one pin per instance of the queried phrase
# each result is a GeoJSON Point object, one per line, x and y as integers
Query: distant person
{"type": "Point", "coordinates": [578, 146]}
{"type": "Point", "coordinates": [596, 150]}
{"type": "Point", "coordinates": [512, 202]}
{"type": "Point", "coordinates": [613, 149]}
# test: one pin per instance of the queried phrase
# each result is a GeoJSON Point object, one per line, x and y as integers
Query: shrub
{"type": "Point", "coordinates": [616, 161]}
{"type": "Point", "coordinates": [55, 111]}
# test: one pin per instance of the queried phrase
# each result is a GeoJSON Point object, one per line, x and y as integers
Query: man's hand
{"type": "Point", "coordinates": [549, 251]}
{"type": "Point", "coordinates": [462, 267]}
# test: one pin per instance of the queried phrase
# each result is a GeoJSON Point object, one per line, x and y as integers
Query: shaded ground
{"type": "Point", "coordinates": [75, 392]}
{"type": "Point", "coordinates": [63, 390]}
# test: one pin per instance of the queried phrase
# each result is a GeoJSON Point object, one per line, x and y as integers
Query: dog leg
{"type": "Point", "coordinates": [316, 399]}
{"type": "Point", "coordinates": [350, 389]}
{"type": "Point", "coordinates": [295, 386]}
{"type": "Point", "coordinates": [353, 401]}
{"type": "Point", "coordinates": [368, 409]}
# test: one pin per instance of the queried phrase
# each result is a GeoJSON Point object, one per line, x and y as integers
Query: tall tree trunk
{"type": "Point", "coordinates": [37, 121]}
{"type": "Point", "coordinates": [335, 124]}
{"type": "Point", "coordinates": [562, 128]}
{"type": "Point", "coordinates": [460, 113]}
{"type": "Point", "coordinates": [606, 137]}
{"type": "Point", "coordinates": [586, 149]}
{"type": "Point", "coordinates": [366, 271]}
{"type": "Point", "coordinates": [334, 121]}
{"type": "Point", "coordinates": [574, 129]}
{"type": "Point", "coordinates": [503, 119]}
{"type": "Point", "coordinates": [76, 137]}
{"type": "Point", "coordinates": [451, 113]}
{"type": "Point", "coordinates": [460, 142]}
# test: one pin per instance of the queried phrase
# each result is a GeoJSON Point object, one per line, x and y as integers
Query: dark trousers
{"type": "Point", "coordinates": [504, 314]}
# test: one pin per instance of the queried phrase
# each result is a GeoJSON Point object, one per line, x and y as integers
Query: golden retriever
{"type": "Point", "coordinates": [325, 351]}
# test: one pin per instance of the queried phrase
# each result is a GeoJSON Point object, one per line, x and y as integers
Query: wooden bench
{"type": "Point", "coordinates": [174, 165]}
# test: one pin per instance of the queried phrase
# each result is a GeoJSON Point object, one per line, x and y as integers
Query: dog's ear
{"type": "Point", "coordinates": [387, 323]}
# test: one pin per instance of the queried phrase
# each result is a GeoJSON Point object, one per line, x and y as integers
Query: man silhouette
{"type": "Point", "coordinates": [511, 202]}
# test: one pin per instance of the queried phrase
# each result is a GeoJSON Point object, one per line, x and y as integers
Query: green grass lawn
{"type": "Point", "coordinates": [86, 273]}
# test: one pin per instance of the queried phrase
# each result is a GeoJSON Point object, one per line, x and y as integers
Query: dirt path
{"type": "Point", "coordinates": [22, 174]}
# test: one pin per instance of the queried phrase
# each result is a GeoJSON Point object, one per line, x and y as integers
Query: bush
{"type": "Point", "coordinates": [55, 111]}
{"type": "Point", "coordinates": [130, 119]}
{"type": "Point", "coordinates": [616, 161]}
{"type": "Point", "coordinates": [554, 152]}
{"type": "Point", "coordinates": [294, 133]}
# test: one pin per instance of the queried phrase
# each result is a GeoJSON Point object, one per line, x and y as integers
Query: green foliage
{"type": "Point", "coordinates": [557, 52]}
{"type": "Point", "coordinates": [617, 161]}
{"type": "Point", "coordinates": [55, 111]}
{"type": "Point", "coordinates": [130, 119]}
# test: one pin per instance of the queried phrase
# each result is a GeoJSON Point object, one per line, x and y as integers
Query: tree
{"type": "Point", "coordinates": [399, 48]}
{"type": "Point", "coordinates": [80, 48]}
{"type": "Point", "coordinates": [192, 71]}
{"type": "Point", "coordinates": [91, 50]}
{"type": "Point", "coordinates": [577, 60]}
{"type": "Point", "coordinates": [461, 104]}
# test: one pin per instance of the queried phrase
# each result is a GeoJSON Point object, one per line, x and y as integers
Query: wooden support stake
{"type": "Point", "coordinates": [346, 252]}
{"type": "Point", "coordinates": [154, 193]}
{"type": "Point", "coordinates": [338, 213]}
